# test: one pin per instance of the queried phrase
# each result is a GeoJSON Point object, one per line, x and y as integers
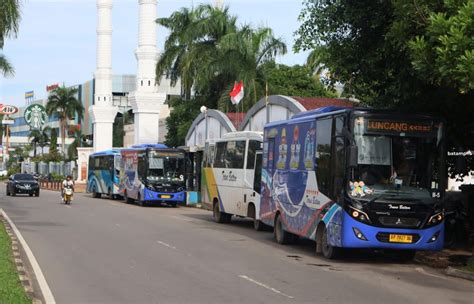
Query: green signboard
{"type": "Point", "coordinates": [35, 116]}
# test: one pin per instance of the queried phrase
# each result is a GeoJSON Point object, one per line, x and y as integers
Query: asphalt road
{"type": "Point", "coordinates": [102, 251]}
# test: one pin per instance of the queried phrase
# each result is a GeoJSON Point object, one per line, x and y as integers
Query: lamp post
{"type": "Point", "coordinates": [204, 111]}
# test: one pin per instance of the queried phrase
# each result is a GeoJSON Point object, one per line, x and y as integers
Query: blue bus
{"type": "Point", "coordinates": [104, 172]}
{"type": "Point", "coordinates": [355, 178]}
{"type": "Point", "coordinates": [153, 173]}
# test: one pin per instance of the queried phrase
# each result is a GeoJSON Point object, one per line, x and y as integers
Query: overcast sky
{"type": "Point", "coordinates": [57, 39]}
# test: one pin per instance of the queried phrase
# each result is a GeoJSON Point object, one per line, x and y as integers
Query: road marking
{"type": "Point", "coordinates": [67, 206]}
{"type": "Point", "coordinates": [43, 285]}
{"type": "Point", "coordinates": [265, 286]}
{"type": "Point", "coordinates": [166, 245]}
{"type": "Point", "coordinates": [421, 270]}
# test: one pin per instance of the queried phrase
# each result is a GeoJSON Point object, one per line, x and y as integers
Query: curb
{"type": "Point", "coordinates": [453, 272]}
{"type": "Point", "coordinates": [17, 242]}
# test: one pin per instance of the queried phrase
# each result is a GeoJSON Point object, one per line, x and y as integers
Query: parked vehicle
{"type": "Point", "coordinates": [355, 178]}
{"type": "Point", "coordinates": [153, 173]}
{"type": "Point", "coordinates": [22, 184]}
{"type": "Point", "coordinates": [104, 174]}
{"type": "Point", "coordinates": [231, 176]}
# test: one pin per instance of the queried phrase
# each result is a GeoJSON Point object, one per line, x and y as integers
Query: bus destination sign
{"type": "Point", "coordinates": [387, 126]}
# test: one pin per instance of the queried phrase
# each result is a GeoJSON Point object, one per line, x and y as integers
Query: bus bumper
{"type": "Point", "coordinates": [378, 237]}
{"type": "Point", "coordinates": [164, 197]}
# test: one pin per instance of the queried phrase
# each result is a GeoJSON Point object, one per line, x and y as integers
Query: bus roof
{"type": "Point", "coordinates": [107, 152]}
{"type": "Point", "coordinates": [153, 146]}
{"type": "Point", "coordinates": [331, 110]}
{"type": "Point", "coordinates": [243, 135]}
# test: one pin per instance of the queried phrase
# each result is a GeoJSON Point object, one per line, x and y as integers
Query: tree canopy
{"type": "Point", "coordinates": [409, 55]}
{"type": "Point", "coordinates": [9, 23]}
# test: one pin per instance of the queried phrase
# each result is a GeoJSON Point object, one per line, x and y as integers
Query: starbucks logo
{"type": "Point", "coordinates": [35, 116]}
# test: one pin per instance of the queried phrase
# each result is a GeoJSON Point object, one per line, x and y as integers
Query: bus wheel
{"type": "Point", "coordinates": [219, 217]}
{"type": "Point", "coordinates": [126, 198]}
{"type": "Point", "coordinates": [329, 252]}
{"type": "Point", "coordinates": [281, 236]}
{"type": "Point", "coordinates": [95, 194]}
{"type": "Point", "coordinates": [110, 195]}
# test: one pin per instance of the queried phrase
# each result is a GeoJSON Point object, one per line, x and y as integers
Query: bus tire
{"type": "Point", "coordinates": [126, 198]}
{"type": "Point", "coordinates": [281, 236]}
{"type": "Point", "coordinates": [219, 217]}
{"type": "Point", "coordinates": [257, 224]}
{"type": "Point", "coordinates": [95, 194]}
{"type": "Point", "coordinates": [110, 195]}
{"type": "Point", "coordinates": [329, 252]}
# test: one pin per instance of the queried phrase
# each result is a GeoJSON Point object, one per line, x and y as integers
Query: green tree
{"type": "Point", "coordinates": [192, 45]}
{"type": "Point", "coordinates": [377, 49]}
{"type": "Point", "coordinates": [118, 131]}
{"type": "Point", "coordinates": [294, 81]}
{"type": "Point", "coordinates": [9, 22]}
{"type": "Point", "coordinates": [35, 138]}
{"type": "Point", "coordinates": [53, 146]}
{"type": "Point", "coordinates": [183, 112]}
{"type": "Point", "coordinates": [444, 53]}
{"type": "Point", "coordinates": [208, 52]}
{"type": "Point", "coordinates": [62, 102]}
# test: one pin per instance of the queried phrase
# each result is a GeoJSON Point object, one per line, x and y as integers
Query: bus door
{"type": "Point", "coordinates": [257, 180]}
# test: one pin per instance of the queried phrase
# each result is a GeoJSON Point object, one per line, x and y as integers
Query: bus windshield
{"type": "Point", "coordinates": [165, 166]}
{"type": "Point", "coordinates": [396, 159]}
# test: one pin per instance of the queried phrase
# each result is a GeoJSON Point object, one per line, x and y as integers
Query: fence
{"type": "Point", "coordinates": [44, 169]}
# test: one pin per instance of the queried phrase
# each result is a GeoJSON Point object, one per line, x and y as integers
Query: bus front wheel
{"type": "Point", "coordinates": [126, 198]}
{"type": "Point", "coordinates": [329, 252]}
{"type": "Point", "coordinates": [220, 217]}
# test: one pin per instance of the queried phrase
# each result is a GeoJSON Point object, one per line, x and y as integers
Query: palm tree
{"type": "Point", "coordinates": [9, 21]}
{"type": "Point", "coordinates": [62, 103]}
{"type": "Point", "coordinates": [245, 52]}
{"type": "Point", "coordinates": [192, 44]}
{"type": "Point", "coordinates": [40, 138]}
{"type": "Point", "coordinates": [34, 138]}
{"type": "Point", "coordinates": [313, 62]}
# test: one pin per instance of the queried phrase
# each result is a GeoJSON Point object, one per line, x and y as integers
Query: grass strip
{"type": "Point", "coordinates": [11, 290]}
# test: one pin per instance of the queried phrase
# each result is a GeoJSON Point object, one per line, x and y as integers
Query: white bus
{"type": "Point", "coordinates": [231, 176]}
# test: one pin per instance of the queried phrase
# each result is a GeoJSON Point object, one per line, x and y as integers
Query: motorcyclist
{"type": "Point", "coordinates": [67, 183]}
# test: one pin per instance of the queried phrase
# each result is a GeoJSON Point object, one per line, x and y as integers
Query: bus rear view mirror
{"type": "Point", "coordinates": [353, 155]}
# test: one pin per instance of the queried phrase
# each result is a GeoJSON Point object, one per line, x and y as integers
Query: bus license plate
{"type": "Point", "coordinates": [166, 196]}
{"type": "Point", "coordinates": [400, 238]}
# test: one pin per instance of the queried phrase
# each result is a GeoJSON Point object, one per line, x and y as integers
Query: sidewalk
{"type": "Point", "coordinates": [454, 261]}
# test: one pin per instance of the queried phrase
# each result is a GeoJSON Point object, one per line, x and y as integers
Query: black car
{"type": "Point", "coordinates": [23, 183]}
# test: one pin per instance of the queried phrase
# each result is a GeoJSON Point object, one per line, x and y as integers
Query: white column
{"type": "Point", "coordinates": [103, 112]}
{"type": "Point", "coordinates": [146, 101]}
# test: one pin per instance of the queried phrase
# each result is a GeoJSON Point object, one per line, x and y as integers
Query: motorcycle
{"type": "Point", "coordinates": [68, 195]}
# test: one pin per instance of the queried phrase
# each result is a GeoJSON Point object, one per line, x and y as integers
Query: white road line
{"type": "Point", "coordinates": [265, 286]}
{"type": "Point", "coordinates": [67, 206]}
{"type": "Point", "coordinates": [166, 245]}
{"type": "Point", "coordinates": [421, 270]}
{"type": "Point", "coordinates": [47, 294]}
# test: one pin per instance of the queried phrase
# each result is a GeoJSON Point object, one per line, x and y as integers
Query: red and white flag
{"type": "Point", "coordinates": [237, 92]}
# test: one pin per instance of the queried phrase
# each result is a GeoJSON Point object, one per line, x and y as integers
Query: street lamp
{"type": "Point", "coordinates": [204, 111]}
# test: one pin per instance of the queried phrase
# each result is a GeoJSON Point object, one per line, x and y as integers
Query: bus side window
{"type": "Point", "coordinates": [141, 165]}
{"type": "Point", "coordinates": [323, 153]}
{"type": "Point", "coordinates": [253, 147]}
{"type": "Point", "coordinates": [234, 156]}
{"type": "Point", "coordinates": [338, 159]}
{"type": "Point", "coordinates": [220, 155]}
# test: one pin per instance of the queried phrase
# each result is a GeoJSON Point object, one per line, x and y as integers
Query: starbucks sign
{"type": "Point", "coordinates": [35, 116]}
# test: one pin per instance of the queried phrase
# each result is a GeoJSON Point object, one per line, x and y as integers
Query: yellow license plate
{"type": "Point", "coordinates": [400, 238]}
{"type": "Point", "coordinates": [166, 196]}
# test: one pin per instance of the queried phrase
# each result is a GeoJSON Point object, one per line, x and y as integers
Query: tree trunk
{"type": "Point", "coordinates": [63, 137]}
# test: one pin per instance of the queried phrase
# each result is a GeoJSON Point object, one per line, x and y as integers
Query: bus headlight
{"type": "Point", "coordinates": [436, 219]}
{"type": "Point", "coordinates": [359, 215]}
